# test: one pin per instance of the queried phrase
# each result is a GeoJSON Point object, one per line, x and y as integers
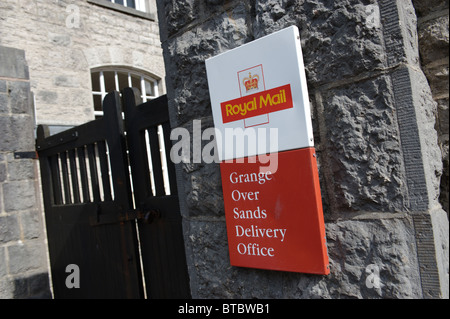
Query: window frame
{"type": "Point", "coordinates": [146, 13]}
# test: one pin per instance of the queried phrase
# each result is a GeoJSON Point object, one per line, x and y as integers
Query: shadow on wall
{"type": "Point", "coordinates": [34, 287]}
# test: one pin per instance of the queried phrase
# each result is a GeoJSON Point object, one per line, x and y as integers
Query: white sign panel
{"type": "Point", "coordinates": [261, 84]}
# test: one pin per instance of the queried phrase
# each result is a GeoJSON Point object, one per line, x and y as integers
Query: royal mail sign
{"type": "Point", "coordinates": [262, 84]}
{"type": "Point", "coordinates": [273, 212]}
{"type": "Point", "coordinates": [265, 102]}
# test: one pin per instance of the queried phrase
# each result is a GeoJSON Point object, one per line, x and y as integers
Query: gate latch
{"type": "Point", "coordinates": [146, 216]}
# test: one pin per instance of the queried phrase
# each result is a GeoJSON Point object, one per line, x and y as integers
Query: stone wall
{"type": "Point", "coordinates": [23, 252]}
{"type": "Point", "coordinates": [433, 30]}
{"type": "Point", "coordinates": [374, 125]}
{"type": "Point", "coordinates": [64, 39]}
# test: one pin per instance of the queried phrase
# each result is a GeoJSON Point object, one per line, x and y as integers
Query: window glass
{"type": "Point", "coordinates": [136, 81]}
{"type": "Point", "coordinates": [131, 4]}
{"type": "Point", "coordinates": [109, 81]}
{"type": "Point", "coordinates": [123, 79]}
{"type": "Point", "coordinates": [95, 79]}
{"type": "Point", "coordinates": [149, 88]}
{"type": "Point", "coordinates": [97, 103]}
{"type": "Point", "coordinates": [135, 4]}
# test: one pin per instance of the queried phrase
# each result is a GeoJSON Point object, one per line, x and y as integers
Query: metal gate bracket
{"type": "Point", "coordinates": [29, 155]}
{"type": "Point", "coordinates": [147, 217]}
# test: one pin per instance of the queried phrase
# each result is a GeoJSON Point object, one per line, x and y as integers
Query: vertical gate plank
{"type": "Point", "coordinates": [65, 177]}
{"type": "Point", "coordinates": [94, 172]}
{"type": "Point", "coordinates": [117, 149]}
{"type": "Point", "coordinates": [104, 166]}
{"type": "Point", "coordinates": [57, 192]}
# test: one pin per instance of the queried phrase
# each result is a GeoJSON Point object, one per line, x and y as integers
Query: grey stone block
{"type": "Point", "coordinates": [203, 189]}
{"type": "Point", "coordinates": [430, 155]}
{"type": "Point", "coordinates": [59, 39]}
{"type": "Point", "coordinates": [17, 133]}
{"type": "Point", "coordinates": [49, 97]}
{"type": "Point", "coordinates": [19, 195]}
{"type": "Point", "coordinates": [20, 98]}
{"type": "Point", "coordinates": [31, 225]}
{"type": "Point", "coordinates": [29, 256]}
{"type": "Point", "coordinates": [424, 7]}
{"type": "Point", "coordinates": [4, 104]}
{"type": "Point", "coordinates": [13, 63]}
{"type": "Point", "coordinates": [439, 80]}
{"type": "Point", "coordinates": [3, 86]}
{"type": "Point", "coordinates": [3, 174]}
{"type": "Point", "coordinates": [9, 229]}
{"type": "Point", "coordinates": [388, 244]}
{"type": "Point", "coordinates": [66, 81]}
{"type": "Point", "coordinates": [179, 14]}
{"type": "Point", "coordinates": [21, 169]}
{"type": "Point", "coordinates": [39, 286]}
{"type": "Point", "coordinates": [6, 288]}
{"type": "Point", "coordinates": [434, 39]}
{"type": "Point", "coordinates": [363, 147]}
{"type": "Point", "coordinates": [3, 266]}
{"type": "Point", "coordinates": [32, 287]}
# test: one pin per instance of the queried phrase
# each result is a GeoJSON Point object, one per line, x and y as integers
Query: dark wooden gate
{"type": "Point", "coordinates": [125, 237]}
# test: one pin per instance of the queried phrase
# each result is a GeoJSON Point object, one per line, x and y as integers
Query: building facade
{"type": "Point", "coordinates": [58, 60]}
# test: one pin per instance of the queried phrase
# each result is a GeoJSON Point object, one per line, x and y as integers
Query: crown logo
{"type": "Point", "coordinates": [251, 82]}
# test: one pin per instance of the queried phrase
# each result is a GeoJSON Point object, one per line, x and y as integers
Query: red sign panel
{"type": "Point", "coordinates": [268, 101]}
{"type": "Point", "coordinates": [275, 220]}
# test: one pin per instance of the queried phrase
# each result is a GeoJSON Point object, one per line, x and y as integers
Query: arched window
{"type": "Point", "coordinates": [105, 80]}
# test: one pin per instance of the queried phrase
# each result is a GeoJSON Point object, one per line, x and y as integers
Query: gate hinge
{"type": "Point", "coordinates": [29, 155]}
